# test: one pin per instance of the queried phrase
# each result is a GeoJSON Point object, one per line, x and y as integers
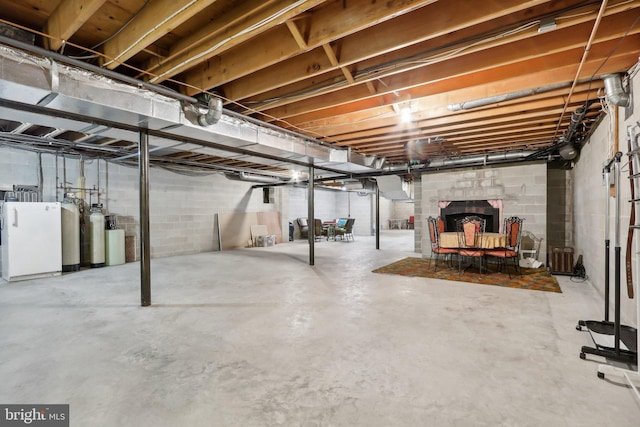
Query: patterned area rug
{"type": "Point", "coordinates": [535, 279]}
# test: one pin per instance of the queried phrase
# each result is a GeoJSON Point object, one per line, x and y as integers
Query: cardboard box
{"type": "Point", "coordinates": [266, 240]}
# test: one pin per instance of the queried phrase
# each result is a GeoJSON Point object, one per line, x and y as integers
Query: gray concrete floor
{"type": "Point", "coordinates": [256, 337]}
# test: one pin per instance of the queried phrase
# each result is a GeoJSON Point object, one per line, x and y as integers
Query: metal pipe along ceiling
{"type": "Point", "coordinates": [505, 97]}
{"type": "Point", "coordinates": [480, 159]}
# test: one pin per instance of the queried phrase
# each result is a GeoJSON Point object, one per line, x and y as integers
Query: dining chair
{"type": "Point", "coordinates": [346, 230]}
{"type": "Point", "coordinates": [303, 226]}
{"type": "Point", "coordinates": [470, 230]}
{"type": "Point", "coordinates": [319, 230]}
{"type": "Point", "coordinates": [513, 230]}
{"type": "Point", "coordinates": [434, 236]}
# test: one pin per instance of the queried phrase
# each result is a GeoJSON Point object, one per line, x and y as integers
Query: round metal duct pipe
{"type": "Point", "coordinates": [244, 176]}
{"type": "Point", "coordinates": [480, 159]}
{"type": "Point", "coordinates": [614, 90]}
{"type": "Point", "coordinates": [213, 114]}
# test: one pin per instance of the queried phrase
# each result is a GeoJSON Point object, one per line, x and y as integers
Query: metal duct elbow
{"type": "Point", "coordinates": [614, 90]}
{"type": "Point", "coordinates": [213, 114]}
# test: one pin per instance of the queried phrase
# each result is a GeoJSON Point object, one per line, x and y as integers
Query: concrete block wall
{"type": "Point", "coordinates": [403, 209]}
{"type": "Point", "coordinates": [182, 208]}
{"type": "Point", "coordinates": [386, 211]}
{"type": "Point", "coordinates": [522, 189]}
{"type": "Point", "coordinates": [590, 198]}
{"type": "Point", "coordinates": [559, 208]}
{"type": "Point", "coordinates": [357, 206]}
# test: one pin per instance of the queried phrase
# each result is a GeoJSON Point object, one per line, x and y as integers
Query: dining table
{"type": "Point", "coordinates": [449, 239]}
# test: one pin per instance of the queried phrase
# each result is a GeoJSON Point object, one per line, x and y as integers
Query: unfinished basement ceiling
{"type": "Point", "coordinates": [394, 83]}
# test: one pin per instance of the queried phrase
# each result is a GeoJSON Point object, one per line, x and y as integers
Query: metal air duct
{"type": "Point", "coordinates": [504, 97]}
{"type": "Point", "coordinates": [614, 90]}
{"type": "Point", "coordinates": [214, 112]}
{"type": "Point", "coordinates": [244, 176]}
{"type": "Point", "coordinates": [482, 159]}
{"type": "Point", "coordinates": [81, 100]}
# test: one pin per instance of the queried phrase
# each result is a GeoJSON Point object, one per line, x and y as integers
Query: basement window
{"type": "Point", "coordinates": [268, 195]}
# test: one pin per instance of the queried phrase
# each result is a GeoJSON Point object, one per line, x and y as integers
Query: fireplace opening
{"type": "Point", "coordinates": [459, 209]}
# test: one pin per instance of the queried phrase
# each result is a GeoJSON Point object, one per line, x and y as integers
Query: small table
{"type": "Point", "coordinates": [449, 239]}
{"type": "Point", "coordinates": [330, 228]}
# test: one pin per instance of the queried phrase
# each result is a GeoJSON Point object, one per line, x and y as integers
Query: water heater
{"type": "Point", "coordinates": [96, 236]}
{"type": "Point", "coordinates": [70, 237]}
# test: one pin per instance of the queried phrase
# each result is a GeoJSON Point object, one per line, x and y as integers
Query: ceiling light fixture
{"type": "Point", "coordinates": [405, 114]}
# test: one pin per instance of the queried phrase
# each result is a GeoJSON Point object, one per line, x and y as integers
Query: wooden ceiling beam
{"type": "Point", "coordinates": [384, 39]}
{"type": "Point", "coordinates": [542, 111]}
{"type": "Point", "coordinates": [563, 47]}
{"type": "Point", "coordinates": [329, 23]}
{"type": "Point", "coordinates": [414, 58]}
{"type": "Point", "coordinates": [553, 69]}
{"type": "Point", "coordinates": [297, 35]}
{"type": "Point", "coordinates": [580, 95]}
{"type": "Point", "coordinates": [333, 59]}
{"type": "Point", "coordinates": [66, 19]}
{"type": "Point", "coordinates": [152, 23]}
{"type": "Point", "coordinates": [433, 100]}
{"type": "Point", "coordinates": [451, 135]}
{"type": "Point", "coordinates": [496, 116]}
{"type": "Point", "coordinates": [453, 139]}
{"type": "Point", "coordinates": [240, 24]}
{"type": "Point", "coordinates": [484, 146]}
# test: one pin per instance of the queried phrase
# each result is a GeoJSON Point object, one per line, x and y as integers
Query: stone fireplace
{"type": "Point", "coordinates": [489, 210]}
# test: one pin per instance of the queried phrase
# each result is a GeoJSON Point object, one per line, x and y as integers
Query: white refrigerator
{"type": "Point", "coordinates": [31, 240]}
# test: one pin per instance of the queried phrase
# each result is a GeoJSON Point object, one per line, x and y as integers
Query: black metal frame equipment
{"type": "Point", "coordinates": [612, 340]}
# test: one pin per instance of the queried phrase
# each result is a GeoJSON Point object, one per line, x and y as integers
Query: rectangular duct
{"type": "Point", "coordinates": [37, 81]}
{"type": "Point", "coordinates": [392, 187]}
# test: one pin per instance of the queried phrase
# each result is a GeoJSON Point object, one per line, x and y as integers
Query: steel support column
{"type": "Point", "coordinates": [377, 217]}
{"type": "Point", "coordinates": [311, 217]}
{"type": "Point", "coordinates": [145, 248]}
